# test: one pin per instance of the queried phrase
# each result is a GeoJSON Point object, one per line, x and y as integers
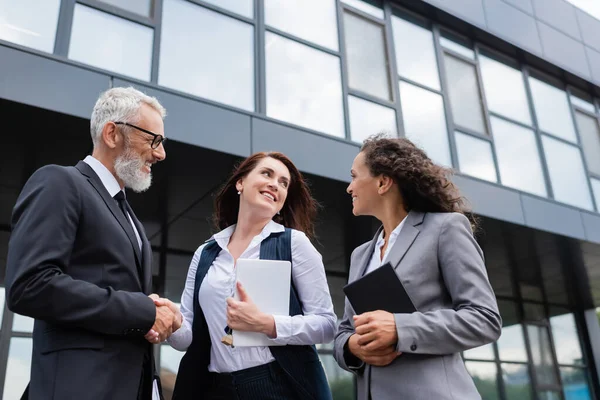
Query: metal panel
{"type": "Point", "coordinates": [594, 62]}
{"type": "Point", "coordinates": [564, 50]}
{"type": "Point", "coordinates": [469, 10]}
{"type": "Point", "coordinates": [491, 200]}
{"type": "Point", "coordinates": [201, 124]}
{"type": "Point", "coordinates": [41, 82]}
{"type": "Point", "coordinates": [590, 29]}
{"type": "Point", "coordinates": [512, 25]}
{"type": "Point", "coordinates": [558, 14]}
{"type": "Point", "coordinates": [591, 224]}
{"type": "Point", "coordinates": [312, 153]}
{"type": "Point", "coordinates": [552, 217]}
{"type": "Point", "coordinates": [524, 5]}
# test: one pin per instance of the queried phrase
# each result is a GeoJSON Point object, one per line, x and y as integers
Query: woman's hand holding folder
{"type": "Point", "coordinates": [375, 339]}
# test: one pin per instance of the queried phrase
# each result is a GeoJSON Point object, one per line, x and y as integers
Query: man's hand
{"type": "Point", "coordinates": [378, 358]}
{"type": "Point", "coordinates": [164, 322]}
{"type": "Point", "coordinates": [161, 302]}
{"type": "Point", "coordinates": [243, 315]}
{"type": "Point", "coordinates": [377, 330]}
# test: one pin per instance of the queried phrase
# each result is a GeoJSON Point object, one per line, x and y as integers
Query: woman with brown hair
{"type": "Point", "coordinates": [428, 241]}
{"type": "Point", "coordinates": [265, 210]}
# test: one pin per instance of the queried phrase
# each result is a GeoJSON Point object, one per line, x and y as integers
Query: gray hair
{"type": "Point", "coordinates": [120, 105]}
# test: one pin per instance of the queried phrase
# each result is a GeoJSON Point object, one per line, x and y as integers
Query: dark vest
{"type": "Point", "coordinates": [301, 363]}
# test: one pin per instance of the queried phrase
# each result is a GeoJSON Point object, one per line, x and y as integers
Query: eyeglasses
{"type": "Point", "coordinates": [156, 139]}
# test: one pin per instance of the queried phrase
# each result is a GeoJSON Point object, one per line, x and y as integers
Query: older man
{"type": "Point", "coordinates": [79, 262]}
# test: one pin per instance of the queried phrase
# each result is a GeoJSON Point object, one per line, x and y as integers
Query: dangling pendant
{"type": "Point", "coordinates": [228, 338]}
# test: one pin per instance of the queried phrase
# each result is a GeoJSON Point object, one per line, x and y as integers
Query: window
{"type": "Point", "coordinates": [142, 7]}
{"type": "Point", "coordinates": [517, 383]}
{"type": "Point", "coordinates": [366, 57]}
{"type": "Point", "coordinates": [207, 54]}
{"type": "Point", "coordinates": [450, 44]}
{"type": "Point", "coordinates": [415, 53]}
{"type": "Point", "coordinates": [518, 158]}
{"type": "Point", "coordinates": [596, 190]}
{"type": "Point", "coordinates": [541, 354]}
{"type": "Point", "coordinates": [242, 7]}
{"type": "Point", "coordinates": [484, 376]}
{"type": "Point", "coordinates": [575, 383]}
{"type": "Point", "coordinates": [311, 20]}
{"type": "Point", "coordinates": [567, 175]}
{"type": "Point", "coordinates": [18, 368]}
{"type": "Point", "coordinates": [18, 24]}
{"type": "Point", "coordinates": [425, 121]}
{"type": "Point", "coordinates": [552, 110]}
{"type": "Point", "coordinates": [566, 339]}
{"type": "Point", "coordinates": [304, 86]}
{"type": "Point", "coordinates": [112, 43]}
{"type": "Point", "coordinates": [475, 157]}
{"type": "Point", "coordinates": [22, 323]}
{"type": "Point", "coordinates": [368, 118]}
{"type": "Point", "coordinates": [504, 90]}
{"type": "Point", "coordinates": [590, 7]}
{"type": "Point", "coordinates": [485, 352]}
{"type": "Point", "coordinates": [369, 7]}
{"type": "Point", "coordinates": [465, 100]}
{"type": "Point", "coordinates": [169, 366]}
{"type": "Point", "coordinates": [589, 133]}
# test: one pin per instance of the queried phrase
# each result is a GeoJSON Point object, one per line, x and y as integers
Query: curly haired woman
{"type": "Point", "coordinates": [429, 242]}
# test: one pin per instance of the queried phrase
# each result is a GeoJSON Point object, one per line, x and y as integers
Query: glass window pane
{"type": "Point", "coordinates": [475, 157]}
{"type": "Point", "coordinates": [465, 100]}
{"type": "Point", "coordinates": [517, 384]}
{"type": "Point", "coordinates": [575, 383]}
{"type": "Point", "coordinates": [311, 20]}
{"type": "Point", "coordinates": [457, 47]}
{"type": "Point", "coordinates": [340, 381]}
{"type": "Point", "coordinates": [504, 90]}
{"type": "Point", "coordinates": [112, 43]}
{"type": "Point", "coordinates": [485, 352]}
{"type": "Point", "coordinates": [484, 376]}
{"type": "Point", "coordinates": [596, 189]}
{"type": "Point", "coordinates": [530, 291]}
{"type": "Point", "coordinates": [541, 353]}
{"type": "Point", "coordinates": [511, 345]}
{"type": "Point", "coordinates": [169, 366]}
{"type": "Point", "coordinates": [518, 158]}
{"type": "Point", "coordinates": [369, 7]}
{"type": "Point", "coordinates": [366, 56]}
{"type": "Point", "coordinates": [415, 53]}
{"type": "Point", "coordinates": [425, 121]}
{"type": "Point", "coordinates": [583, 104]}
{"type": "Point", "coordinates": [142, 7]}
{"type": "Point", "coordinates": [566, 339]}
{"type": "Point", "coordinates": [552, 110]}
{"type": "Point", "coordinates": [549, 395]}
{"type": "Point", "coordinates": [589, 133]}
{"type": "Point", "coordinates": [207, 54]}
{"type": "Point", "coordinates": [21, 323]}
{"type": "Point", "coordinates": [368, 118]}
{"type": "Point", "coordinates": [590, 7]}
{"type": "Point", "coordinates": [18, 368]}
{"type": "Point", "coordinates": [18, 24]}
{"type": "Point", "coordinates": [304, 86]}
{"type": "Point", "coordinates": [567, 174]}
{"type": "Point", "coordinates": [534, 312]}
{"type": "Point", "coordinates": [242, 7]}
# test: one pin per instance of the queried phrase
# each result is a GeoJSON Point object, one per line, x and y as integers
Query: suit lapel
{"type": "Point", "coordinates": [405, 239]}
{"type": "Point", "coordinates": [112, 206]}
{"type": "Point", "coordinates": [146, 267]}
{"type": "Point", "coordinates": [365, 258]}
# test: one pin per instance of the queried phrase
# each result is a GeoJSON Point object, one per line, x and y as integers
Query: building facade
{"type": "Point", "coordinates": [506, 92]}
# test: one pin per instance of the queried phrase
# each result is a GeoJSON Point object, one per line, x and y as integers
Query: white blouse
{"type": "Point", "coordinates": [317, 325]}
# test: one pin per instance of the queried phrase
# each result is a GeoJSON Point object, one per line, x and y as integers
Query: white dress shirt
{"type": "Point", "coordinates": [113, 187]}
{"type": "Point", "coordinates": [376, 259]}
{"type": "Point", "coordinates": [317, 325]}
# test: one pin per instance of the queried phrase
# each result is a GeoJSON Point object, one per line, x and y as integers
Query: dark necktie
{"type": "Point", "coordinates": [120, 198]}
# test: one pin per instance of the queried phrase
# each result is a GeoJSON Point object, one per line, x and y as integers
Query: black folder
{"type": "Point", "coordinates": [379, 290]}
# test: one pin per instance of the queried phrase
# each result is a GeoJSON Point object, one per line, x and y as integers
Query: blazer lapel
{"type": "Point", "coordinates": [112, 206]}
{"type": "Point", "coordinates": [146, 266]}
{"type": "Point", "coordinates": [365, 258]}
{"type": "Point", "coordinates": [405, 239]}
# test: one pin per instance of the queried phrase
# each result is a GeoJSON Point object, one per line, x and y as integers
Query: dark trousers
{"type": "Point", "coordinates": [264, 382]}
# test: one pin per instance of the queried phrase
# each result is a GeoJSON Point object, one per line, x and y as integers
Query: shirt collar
{"type": "Point", "coordinates": [223, 236]}
{"type": "Point", "coordinates": [106, 177]}
{"type": "Point", "coordinates": [393, 235]}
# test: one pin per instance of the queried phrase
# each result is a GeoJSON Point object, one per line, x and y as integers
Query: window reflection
{"type": "Point", "coordinates": [567, 174]}
{"type": "Point", "coordinates": [142, 7]}
{"type": "Point", "coordinates": [368, 118]}
{"type": "Point", "coordinates": [566, 339]}
{"type": "Point", "coordinates": [517, 384]}
{"type": "Point", "coordinates": [367, 6]}
{"type": "Point", "coordinates": [589, 133]}
{"type": "Point", "coordinates": [596, 189]}
{"type": "Point", "coordinates": [311, 20]}
{"type": "Point", "coordinates": [425, 121]}
{"type": "Point", "coordinates": [475, 157]}
{"type": "Point", "coordinates": [575, 383]}
{"type": "Point", "coordinates": [583, 104]}
{"type": "Point", "coordinates": [485, 352]}
{"type": "Point", "coordinates": [304, 86]}
{"type": "Point", "coordinates": [207, 54]}
{"type": "Point", "coordinates": [518, 158]}
{"type": "Point", "coordinates": [484, 376]}
{"type": "Point", "coordinates": [541, 353]}
{"type": "Point", "coordinates": [242, 7]}
{"type": "Point", "coordinates": [22, 323]}
{"type": "Point", "coordinates": [504, 90]}
{"type": "Point", "coordinates": [18, 24]}
{"type": "Point", "coordinates": [112, 43]}
{"type": "Point", "coordinates": [457, 47]}
{"type": "Point", "coordinates": [366, 56]}
{"type": "Point", "coordinates": [415, 53]}
{"type": "Point", "coordinates": [552, 110]}
{"type": "Point", "coordinates": [18, 368]}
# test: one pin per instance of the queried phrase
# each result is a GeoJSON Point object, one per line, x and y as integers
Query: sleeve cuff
{"type": "Point", "coordinates": [283, 328]}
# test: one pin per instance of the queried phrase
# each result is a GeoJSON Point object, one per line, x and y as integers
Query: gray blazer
{"type": "Point", "coordinates": [442, 269]}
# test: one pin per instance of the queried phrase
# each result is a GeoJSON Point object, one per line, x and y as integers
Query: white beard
{"type": "Point", "coordinates": [128, 167]}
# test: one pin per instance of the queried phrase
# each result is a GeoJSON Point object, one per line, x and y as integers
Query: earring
{"type": "Point", "coordinates": [239, 192]}
{"type": "Point", "coordinates": [277, 212]}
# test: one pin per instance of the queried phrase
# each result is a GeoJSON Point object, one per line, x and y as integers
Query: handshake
{"type": "Point", "coordinates": [168, 320]}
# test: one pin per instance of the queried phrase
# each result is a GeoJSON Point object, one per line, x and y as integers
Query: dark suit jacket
{"type": "Point", "coordinates": [75, 266]}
